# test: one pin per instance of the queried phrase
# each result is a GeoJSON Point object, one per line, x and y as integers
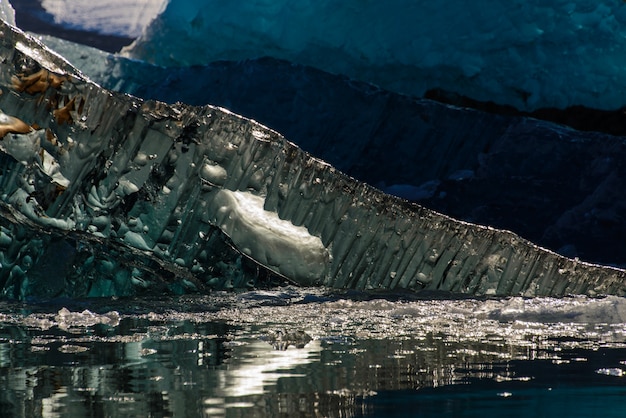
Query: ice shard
{"type": "Point", "coordinates": [111, 194]}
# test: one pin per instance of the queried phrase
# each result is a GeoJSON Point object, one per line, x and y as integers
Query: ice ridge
{"type": "Point", "coordinates": [509, 172]}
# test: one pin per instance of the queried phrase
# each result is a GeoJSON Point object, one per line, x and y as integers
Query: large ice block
{"type": "Point", "coordinates": [529, 54]}
{"type": "Point", "coordinates": [176, 194]}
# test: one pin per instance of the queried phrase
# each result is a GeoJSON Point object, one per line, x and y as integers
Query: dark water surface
{"type": "Point", "coordinates": [310, 352]}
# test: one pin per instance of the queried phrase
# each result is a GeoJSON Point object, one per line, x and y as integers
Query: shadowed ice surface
{"type": "Point", "coordinates": [527, 54]}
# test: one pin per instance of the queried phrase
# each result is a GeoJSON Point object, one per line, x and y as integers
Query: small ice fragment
{"type": "Point", "coordinates": [72, 349]}
{"type": "Point", "coordinates": [613, 371]}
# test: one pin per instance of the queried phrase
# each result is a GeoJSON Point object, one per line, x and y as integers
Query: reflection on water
{"type": "Point", "coordinates": [304, 352]}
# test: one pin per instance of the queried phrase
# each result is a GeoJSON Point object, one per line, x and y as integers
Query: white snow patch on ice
{"type": "Point", "coordinates": [279, 244]}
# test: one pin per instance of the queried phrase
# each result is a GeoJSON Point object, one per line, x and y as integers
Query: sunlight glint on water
{"type": "Point", "coordinates": [310, 352]}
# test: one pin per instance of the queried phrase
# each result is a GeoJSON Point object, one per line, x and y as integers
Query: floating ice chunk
{"type": "Point", "coordinates": [278, 244]}
{"type": "Point", "coordinates": [613, 371]}
{"type": "Point", "coordinates": [72, 349]}
{"type": "Point", "coordinates": [66, 319]}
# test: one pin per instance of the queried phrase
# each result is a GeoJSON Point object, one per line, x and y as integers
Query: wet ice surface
{"type": "Point", "coordinates": [311, 352]}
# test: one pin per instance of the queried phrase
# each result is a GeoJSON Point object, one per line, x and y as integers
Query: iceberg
{"type": "Point", "coordinates": [507, 171]}
{"type": "Point", "coordinates": [528, 54]}
{"type": "Point", "coordinates": [103, 193]}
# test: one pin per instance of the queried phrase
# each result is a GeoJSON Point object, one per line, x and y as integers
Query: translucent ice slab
{"type": "Point", "coordinates": [113, 195]}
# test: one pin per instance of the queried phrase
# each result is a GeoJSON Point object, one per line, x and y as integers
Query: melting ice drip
{"type": "Point", "coordinates": [106, 194]}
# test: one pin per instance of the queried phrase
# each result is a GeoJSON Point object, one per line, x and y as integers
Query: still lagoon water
{"type": "Point", "coordinates": [313, 353]}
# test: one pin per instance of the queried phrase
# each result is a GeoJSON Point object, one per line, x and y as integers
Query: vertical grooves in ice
{"type": "Point", "coordinates": [162, 179]}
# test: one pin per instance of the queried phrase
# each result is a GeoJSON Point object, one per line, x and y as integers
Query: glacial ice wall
{"type": "Point", "coordinates": [138, 193]}
{"type": "Point", "coordinates": [528, 54]}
